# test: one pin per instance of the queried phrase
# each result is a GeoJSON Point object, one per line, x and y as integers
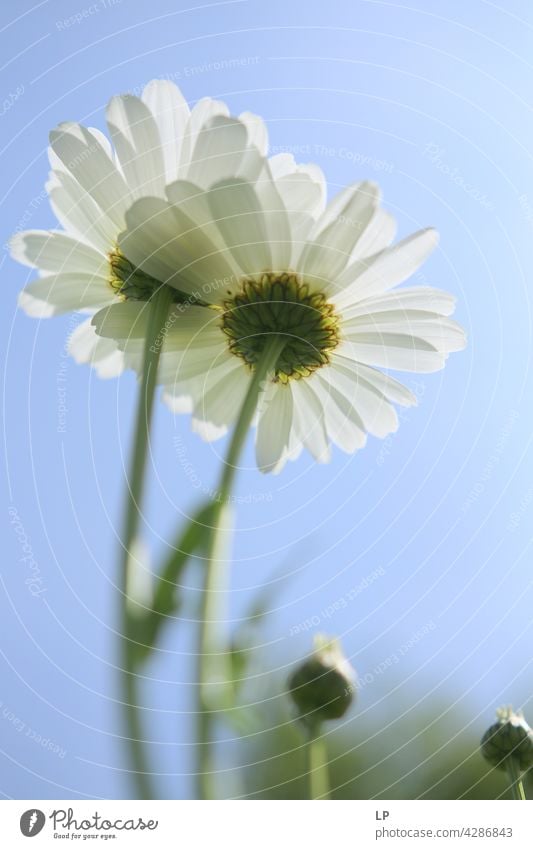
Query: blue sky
{"type": "Point", "coordinates": [433, 102]}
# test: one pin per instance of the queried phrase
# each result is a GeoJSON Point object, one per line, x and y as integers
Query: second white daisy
{"type": "Point", "coordinates": [156, 139]}
{"type": "Point", "coordinates": [325, 287]}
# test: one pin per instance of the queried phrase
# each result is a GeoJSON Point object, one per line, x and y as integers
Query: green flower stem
{"type": "Point", "coordinates": [159, 306]}
{"type": "Point", "coordinates": [515, 777]}
{"type": "Point", "coordinates": [317, 765]}
{"type": "Point", "coordinates": [212, 659]}
{"type": "Point", "coordinates": [209, 651]}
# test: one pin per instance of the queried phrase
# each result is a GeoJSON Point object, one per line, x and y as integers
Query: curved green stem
{"type": "Point", "coordinates": [266, 364]}
{"type": "Point", "coordinates": [209, 647]}
{"type": "Point", "coordinates": [211, 657]}
{"type": "Point", "coordinates": [317, 765]}
{"type": "Point", "coordinates": [515, 777]}
{"type": "Point", "coordinates": [158, 311]}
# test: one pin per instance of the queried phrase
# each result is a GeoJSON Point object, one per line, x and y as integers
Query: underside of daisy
{"type": "Point", "coordinates": [156, 139]}
{"type": "Point", "coordinates": [252, 254]}
{"type": "Point", "coordinates": [325, 286]}
{"type": "Point", "coordinates": [281, 305]}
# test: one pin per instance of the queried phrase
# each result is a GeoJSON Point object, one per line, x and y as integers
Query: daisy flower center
{"type": "Point", "coordinates": [283, 305]}
{"type": "Point", "coordinates": [132, 284]}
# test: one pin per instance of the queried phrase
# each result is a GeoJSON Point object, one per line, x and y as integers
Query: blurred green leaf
{"type": "Point", "coordinates": [166, 595]}
{"type": "Point", "coordinates": [244, 718]}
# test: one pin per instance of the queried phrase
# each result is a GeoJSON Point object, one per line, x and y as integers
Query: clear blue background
{"type": "Point", "coordinates": [432, 100]}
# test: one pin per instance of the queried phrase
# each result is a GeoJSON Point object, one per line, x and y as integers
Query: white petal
{"type": "Point", "coordinates": [214, 394]}
{"type": "Point", "coordinates": [204, 111]}
{"type": "Point", "coordinates": [179, 404]}
{"type": "Point", "coordinates": [252, 166]}
{"type": "Point", "coordinates": [171, 112]}
{"type": "Point", "coordinates": [193, 326]}
{"type": "Point", "coordinates": [302, 189]}
{"type": "Point", "coordinates": [35, 307]}
{"type": "Point", "coordinates": [218, 151]}
{"type": "Point", "coordinates": [195, 355]}
{"type": "Point", "coordinates": [102, 354]}
{"type": "Point", "coordinates": [376, 413]}
{"type": "Point", "coordinates": [301, 196]}
{"type": "Point", "coordinates": [257, 131]}
{"type": "Point", "coordinates": [204, 367]}
{"type": "Point", "coordinates": [384, 383]}
{"type": "Point", "coordinates": [387, 269]}
{"type": "Point", "coordinates": [88, 162]}
{"type": "Point", "coordinates": [79, 214]}
{"type": "Point", "coordinates": [412, 298]}
{"type": "Point", "coordinates": [309, 420]}
{"type": "Point", "coordinates": [221, 403]}
{"type": "Point", "coordinates": [378, 235]}
{"type": "Point", "coordinates": [194, 352]}
{"type": "Point", "coordinates": [136, 139]}
{"type": "Point", "coordinates": [65, 292]}
{"type": "Point", "coordinates": [334, 208]}
{"type": "Point", "coordinates": [343, 423]}
{"type": "Point", "coordinates": [183, 375]}
{"type": "Point", "coordinates": [282, 164]}
{"type": "Point", "coordinates": [53, 251]}
{"type": "Point", "coordinates": [208, 431]}
{"type": "Point", "coordinates": [293, 452]}
{"type": "Point", "coordinates": [443, 333]}
{"type": "Point", "coordinates": [277, 224]}
{"type": "Point", "coordinates": [170, 247]}
{"type": "Point", "coordinates": [292, 177]}
{"type": "Point", "coordinates": [396, 351]}
{"type": "Point", "coordinates": [192, 202]}
{"type": "Point", "coordinates": [327, 254]}
{"type": "Point", "coordinates": [274, 426]}
{"type": "Point", "coordinates": [239, 216]}
{"type": "Point", "coordinates": [103, 141]}
{"type": "Point", "coordinates": [124, 321]}
{"type": "Point", "coordinates": [148, 240]}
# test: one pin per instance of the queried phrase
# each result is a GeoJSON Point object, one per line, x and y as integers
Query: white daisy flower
{"type": "Point", "coordinates": [156, 140]}
{"type": "Point", "coordinates": [326, 285]}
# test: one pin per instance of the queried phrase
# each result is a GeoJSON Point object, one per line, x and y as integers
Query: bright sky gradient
{"type": "Point", "coordinates": [432, 100]}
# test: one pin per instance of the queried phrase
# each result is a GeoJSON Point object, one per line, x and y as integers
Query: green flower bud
{"type": "Point", "coordinates": [509, 737]}
{"type": "Point", "coordinates": [323, 686]}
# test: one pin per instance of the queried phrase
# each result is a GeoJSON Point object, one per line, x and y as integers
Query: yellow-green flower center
{"type": "Point", "coordinates": [132, 284]}
{"type": "Point", "coordinates": [281, 304]}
